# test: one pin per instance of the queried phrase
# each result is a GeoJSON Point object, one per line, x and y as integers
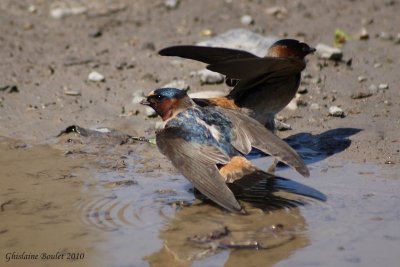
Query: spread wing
{"type": "Point", "coordinates": [197, 162]}
{"type": "Point", "coordinates": [250, 68]}
{"type": "Point", "coordinates": [240, 65]}
{"type": "Point", "coordinates": [250, 133]}
{"type": "Point", "coordinates": [208, 55]}
{"type": "Point", "coordinates": [269, 82]}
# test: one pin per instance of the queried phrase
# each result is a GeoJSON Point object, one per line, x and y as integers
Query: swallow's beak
{"type": "Point", "coordinates": [145, 102]}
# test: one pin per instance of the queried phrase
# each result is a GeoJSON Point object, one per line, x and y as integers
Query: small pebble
{"type": "Point", "coordinates": [363, 35]}
{"type": "Point", "coordinates": [172, 4]}
{"type": "Point", "coordinates": [367, 21]}
{"type": "Point", "coordinates": [94, 76]}
{"type": "Point", "coordinates": [281, 126]}
{"type": "Point", "coordinates": [383, 86]}
{"type": "Point", "coordinates": [377, 65]}
{"type": "Point", "coordinates": [72, 92]}
{"type": "Point", "coordinates": [397, 39]}
{"type": "Point", "coordinates": [247, 20]}
{"type": "Point", "coordinates": [277, 11]}
{"type": "Point", "coordinates": [328, 52]}
{"type": "Point", "coordinates": [359, 95]}
{"type": "Point", "coordinates": [207, 32]}
{"type": "Point", "coordinates": [210, 77]}
{"type": "Point", "coordinates": [150, 112]}
{"type": "Point", "coordinates": [293, 103]}
{"type": "Point", "coordinates": [316, 80]}
{"type": "Point", "coordinates": [61, 12]}
{"type": "Point", "coordinates": [361, 79]}
{"type": "Point", "coordinates": [32, 9]}
{"type": "Point", "coordinates": [302, 90]}
{"type": "Point", "coordinates": [336, 111]}
{"type": "Point", "coordinates": [96, 33]}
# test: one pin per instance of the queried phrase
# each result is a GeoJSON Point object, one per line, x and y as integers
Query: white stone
{"type": "Point", "coordinates": [150, 112]}
{"type": "Point", "coordinates": [327, 52]}
{"type": "Point", "coordinates": [247, 20]}
{"type": "Point", "coordinates": [171, 3]}
{"type": "Point", "coordinates": [94, 76]}
{"type": "Point", "coordinates": [383, 86]}
{"type": "Point", "coordinates": [281, 126]}
{"type": "Point", "coordinates": [60, 12]}
{"type": "Point", "coordinates": [336, 111]}
{"type": "Point", "coordinates": [361, 79]}
{"type": "Point", "coordinates": [210, 77]}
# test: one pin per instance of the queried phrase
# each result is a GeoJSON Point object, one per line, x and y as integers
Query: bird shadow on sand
{"type": "Point", "coordinates": [314, 148]}
{"type": "Point", "coordinates": [280, 192]}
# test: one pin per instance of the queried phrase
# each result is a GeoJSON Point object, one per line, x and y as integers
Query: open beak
{"type": "Point", "coordinates": [145, 102]}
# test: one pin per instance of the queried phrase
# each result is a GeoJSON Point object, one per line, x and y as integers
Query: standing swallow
{"type": "Point", "coordinates": [208, 145]}
{"type": "Point", "coordinates": [261, 86]}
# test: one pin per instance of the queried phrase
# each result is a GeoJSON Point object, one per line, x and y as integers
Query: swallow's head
{"type": "Point", "coordinates": [290, 48]}
{"type": "Point", "coordinates": [167, 101]}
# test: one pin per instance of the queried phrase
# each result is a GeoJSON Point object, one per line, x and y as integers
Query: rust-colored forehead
{"type": "Point", "coordinates": [151, 93]}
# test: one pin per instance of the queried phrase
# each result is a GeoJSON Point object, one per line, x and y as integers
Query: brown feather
{"type": "Point", "coordinates": [198, 163]}
{"type": "Point", "coordinates": [249, 131]}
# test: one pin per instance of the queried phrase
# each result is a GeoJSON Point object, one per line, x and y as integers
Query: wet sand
{"type": "Point", "coordinates": [119, 215]}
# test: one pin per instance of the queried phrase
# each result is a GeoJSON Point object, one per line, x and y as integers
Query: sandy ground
{"type": "Point", "coordinates": [46, 57]}
{"type": "Point", "coordinates": [44, 87]}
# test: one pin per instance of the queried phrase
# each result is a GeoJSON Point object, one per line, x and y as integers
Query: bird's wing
{"type": "Point", "coordinates": [208, 55]}
{"type": "Point", "coordinates": [268, 82]}
{"type": "Point", "coordinates": [250, 68]}
{"type": "Point", "coordinates": [197, 162]}
{"type": "Point", "coordinates": [250, 133]}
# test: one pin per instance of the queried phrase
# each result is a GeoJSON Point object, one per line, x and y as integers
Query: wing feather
{"type": "Point", "coordinates": [197, 162]}
{"type": "Point", "coordinates": [248, 130]}
{"type": "Point", "coordinates": [208, 55]}
{"type": "Point", "coordinates": [250, 68]}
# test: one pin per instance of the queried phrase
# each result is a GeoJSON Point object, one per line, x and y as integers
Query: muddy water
{"type": "Point", "coordinates": [108, 204]}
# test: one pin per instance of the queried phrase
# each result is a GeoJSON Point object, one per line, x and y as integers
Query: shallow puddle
{"type": "Point", "coordinates": [107, 204]}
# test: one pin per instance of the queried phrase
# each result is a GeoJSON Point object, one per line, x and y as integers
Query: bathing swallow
{"type": "Point", "coordinates": [208, 145]}
{"type": "Point", "coordinates": [261, 86]}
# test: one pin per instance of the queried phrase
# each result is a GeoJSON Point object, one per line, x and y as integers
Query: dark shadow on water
{"type": "Point", "coordinates": [274, 194]}
{"type": "Point", "coordinates": [314, 148]}
{"type": "Point", "coordinates": [317, 147]}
